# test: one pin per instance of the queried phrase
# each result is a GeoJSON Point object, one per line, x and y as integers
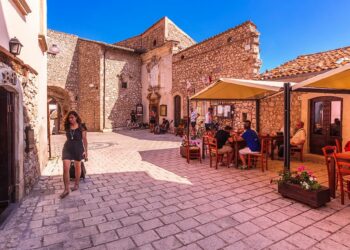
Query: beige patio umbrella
{"type": "Point", "coordinates": [241, 89]}
{"type": "Point", "coordinates": [336, 79]}
{"type": "Point", "coordinates": [238, 89]}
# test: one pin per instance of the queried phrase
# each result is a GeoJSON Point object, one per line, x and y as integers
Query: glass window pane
{"type": "Point", "coordinates": [335, 118]}
{"type": "Point", "coordinates": [318, 118]}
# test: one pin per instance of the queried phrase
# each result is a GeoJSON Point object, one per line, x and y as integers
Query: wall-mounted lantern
{"type": "Point", "coordinates": [54, 50]}
{"type": "Point", "coordinates": [15, 46]}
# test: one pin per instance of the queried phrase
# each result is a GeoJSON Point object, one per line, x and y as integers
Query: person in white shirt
{"type": "Point", "coordinates": [194, 117]}
{"type": "Point", "coordinates": [209, 119]}
{"type": "Point", "coordinates": [297, 140]}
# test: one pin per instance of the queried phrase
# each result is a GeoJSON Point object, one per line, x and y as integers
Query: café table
{"type": "Point", "coordinates": [275, 139]}
{"type": "Point", "coordinates": [237, 144]}
{"type": "Point", "coordinates": [332, 176]}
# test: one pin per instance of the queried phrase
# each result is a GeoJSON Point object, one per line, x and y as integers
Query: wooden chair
{"type": "Point", "coordinates": [338, 145]}
{"type": "Point", "coordinates": [328, 152]}
{"type": "Point", "coordinates": [343, 169]}
{"type": "Point", "coordinates": [263, 155]}
{"type": "Point", "coordinates": [298, 149]}
{"type": "Point", "coordinates": [205, 142]}
{"type": "Point", "coordinates": [213, 152]}
{"type": "Point", "coordinates": [193, 152]}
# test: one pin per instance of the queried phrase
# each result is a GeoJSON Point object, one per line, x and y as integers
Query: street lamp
{"type": "Point", "coordinates": [15, 46]}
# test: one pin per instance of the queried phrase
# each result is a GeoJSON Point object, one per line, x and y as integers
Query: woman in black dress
{"type": "Point", "coordinates": [74, 149]}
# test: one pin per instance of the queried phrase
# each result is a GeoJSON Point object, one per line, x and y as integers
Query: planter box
{"type": "Point", "coordinates": [314, 198]}
{"type": "Point", "coordinates": [183, 151]}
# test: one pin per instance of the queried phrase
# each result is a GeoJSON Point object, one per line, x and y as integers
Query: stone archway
{"type": "Point", "coordinates": [60, 102]}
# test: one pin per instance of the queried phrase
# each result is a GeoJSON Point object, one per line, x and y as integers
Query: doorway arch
{"type": "Point", "coordinates": [177, 110]}
{"type": "Point", "coordinates": [11, 138]}
{"type": "Point", "coordinates": [325, 122]}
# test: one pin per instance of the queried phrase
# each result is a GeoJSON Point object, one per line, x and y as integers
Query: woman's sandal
{"type": "Point", "coordinates": [64, 194]}
{"type": "Point", "coordinates": [75, 188]}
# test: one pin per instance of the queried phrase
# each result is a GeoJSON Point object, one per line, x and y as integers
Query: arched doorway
{"type": "Point", "coordinates": [7, 149]}
{"type": "Point", "coordinates": [177, 110]}
{"type": "Point", "coordinates": [325, 122]}
{"type": "Point", "coordinates": [59, 104]}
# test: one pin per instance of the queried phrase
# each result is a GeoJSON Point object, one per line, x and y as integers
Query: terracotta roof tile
{"type": "Point", "coordinates": [310, 63]}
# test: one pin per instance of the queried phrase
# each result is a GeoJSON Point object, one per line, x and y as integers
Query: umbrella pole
{"type": "Point", "coordinates": [188, 117]}
{"type": "Point", "coordinates": [286, 153]}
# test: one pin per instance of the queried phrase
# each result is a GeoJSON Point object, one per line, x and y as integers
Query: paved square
{"type": "Point", "coordinates": [140, 194]}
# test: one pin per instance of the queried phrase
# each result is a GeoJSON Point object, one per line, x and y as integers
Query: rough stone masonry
{"type": "Point", "coordinates": [104, 82]}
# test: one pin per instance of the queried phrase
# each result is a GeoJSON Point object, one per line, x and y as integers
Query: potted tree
{"type": "Point", "coordinates": [302, 186]}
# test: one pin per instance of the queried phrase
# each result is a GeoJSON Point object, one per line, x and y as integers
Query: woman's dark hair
{"type": "Point", "coordinates": [66, 120]}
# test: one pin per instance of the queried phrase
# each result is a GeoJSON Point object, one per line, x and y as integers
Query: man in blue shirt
{"type": "Point", "coordinates": [253, 143]}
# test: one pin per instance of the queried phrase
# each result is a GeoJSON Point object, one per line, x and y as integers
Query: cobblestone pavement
{"type": "Point", "coordinates": [139, 194]}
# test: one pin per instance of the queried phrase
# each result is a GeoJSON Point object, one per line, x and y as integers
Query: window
{"type": "Point", "coordinates": [124, 85]}
{"type": "Point", "coordinates": [154, 43]}
{"type": "Point", "coordinates": [230, 39]}
{"type": "Point", "coordinates": [182, 57]}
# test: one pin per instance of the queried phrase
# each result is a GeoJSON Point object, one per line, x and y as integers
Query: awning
{"type": "Point", "coordinates": [338, 78]}
{"type": "Point", "coordinates": [237, 89]}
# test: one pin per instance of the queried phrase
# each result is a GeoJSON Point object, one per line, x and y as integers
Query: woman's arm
{"type": "Point", "coordinates": [85, 143]}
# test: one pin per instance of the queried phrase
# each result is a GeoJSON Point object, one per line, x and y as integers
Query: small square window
{"type": "Point", "coordinates": [124, 85]}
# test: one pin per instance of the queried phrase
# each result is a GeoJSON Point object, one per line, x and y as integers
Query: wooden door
{"type": "Point", "coordinates": [325, 123]}
{"type": "Point", "coordinates": [177, 110]}
{"type": "Point", "coordinates": [7, 150]}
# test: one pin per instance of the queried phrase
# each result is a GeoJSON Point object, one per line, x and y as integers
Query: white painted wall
{"type": "Point", "coordinates": [26, 29]}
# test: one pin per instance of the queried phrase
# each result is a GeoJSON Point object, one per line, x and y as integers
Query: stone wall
{"type": "Point", "coordinates": [121, 67]}
{"type": "Point", "coordinates": [26, 114]}
{"type": "Point", "coordinates": [175, 34]}
{"type": "Point", "coordinates": [63, 67]}
{"type": "Point", "coordinates": [240, 107]}
{"type": "Point", "coordinates": [234, 53]}
{"type": "Point", "coordinates": [152, 38]}
{"type": "Point", "coordinates": [31, 166]}
{"type": "Point", "coordinates": [89, 70]}
{"type": "Point", "coordinates": [272, 112]}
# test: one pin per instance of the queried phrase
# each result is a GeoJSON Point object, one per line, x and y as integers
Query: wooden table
{"type": "Point", "coordinates": [332, 176]}
{"type": "Point", "coordinates": [274, 140]}
{"type": "Point", "coordinates": [237, 144]}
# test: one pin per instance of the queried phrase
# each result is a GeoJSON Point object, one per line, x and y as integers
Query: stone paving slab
{"type": "Point", "coordinates": [140, 194]}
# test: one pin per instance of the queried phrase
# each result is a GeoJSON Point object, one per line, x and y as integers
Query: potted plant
{"type": "Point", "coordinates": [194, 146]}
{"type": "Point", "coordinates": [302, 186]}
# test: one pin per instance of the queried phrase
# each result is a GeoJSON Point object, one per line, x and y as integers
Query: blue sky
{"type": "Point", "coordinates": [288, 28]}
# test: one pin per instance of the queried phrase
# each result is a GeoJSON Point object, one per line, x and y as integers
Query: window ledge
{"type": "Point", "coordinates": [22, 6]}
{"type": "Point", "coordinates": [42, 42]}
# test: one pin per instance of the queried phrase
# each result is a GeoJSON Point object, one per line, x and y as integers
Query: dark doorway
{"type": "Point", "coordinates": [177, 110]}
{"type": "Point", "coordinates": [154, 108]}
{"type": "Point", "coordinates": [325, 123]}
{"type": "Point", "coordinates": [7, 149]}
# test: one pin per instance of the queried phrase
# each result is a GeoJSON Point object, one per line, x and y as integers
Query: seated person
{"type": "Point", "coordinates": [253, 144]}
{"type": "Point", "coordinates": [297, 140]}
{"type": "Point", "coordinates": [164, 126]}
{"type": "Point", "coordinates": [223, 137]}
{"type": "Point", "coordinates": [133, 116]}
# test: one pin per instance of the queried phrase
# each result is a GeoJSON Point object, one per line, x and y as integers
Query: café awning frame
{"type": "Point", "coordinates": [238, 89]}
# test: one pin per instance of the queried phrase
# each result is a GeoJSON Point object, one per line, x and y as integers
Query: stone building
{"type": "Point", "coordinates": [101, 81]}
{"type": "Point", "coordinates": [324, 113]}
{"type": "Point", "coordinates": [105, 82]}
{"type": "Point", "coordinates": [23, 95]}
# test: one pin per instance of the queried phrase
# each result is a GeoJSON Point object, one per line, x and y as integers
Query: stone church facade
{"type": "Point", "coordinates": [104, 82]}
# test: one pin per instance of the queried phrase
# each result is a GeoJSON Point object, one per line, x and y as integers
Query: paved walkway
{"type": "Point", "coordinates": [140, 194]}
